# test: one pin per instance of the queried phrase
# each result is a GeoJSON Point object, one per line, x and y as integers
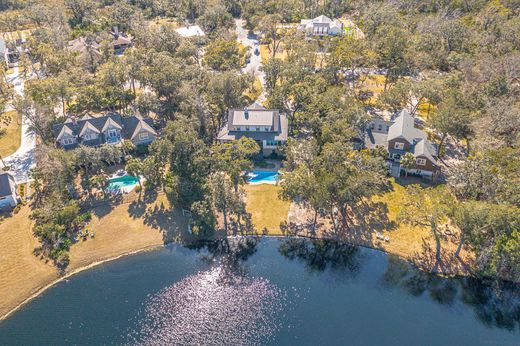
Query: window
{"type": "Point", "coordinates": [90, 136]}
{"type": "Point", "coordinates": [257, 129]}
{"type": "Point", "coordinates": [421, 162]}
{"type": "Point", "coordinates": [247, 128]}
{"type": "Point", "coordinates": [380, 127]}
{"type": "Point", "coordinates": [266, 129]}
{"type": "Point", "coordinates": [387, 128]}
{"type": "Point", "coordinates": [143, 135]}
{"type": "Point", "coordinates": [112, 133]}
{"type": "Point", "coordinates": [372, 126]}
{"type": "Point", "coordinates": [67, 141]}
{"type": "Point", "coordinates": [399, 145]}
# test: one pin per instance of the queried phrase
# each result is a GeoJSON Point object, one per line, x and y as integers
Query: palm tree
{"type": "Point", "coordinates": [135, 167]}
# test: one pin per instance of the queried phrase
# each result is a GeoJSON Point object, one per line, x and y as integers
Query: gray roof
{"type": "Point", "coordinates": [7, 185]}
{"type": "Point", "coordinates": [404, 127]}
{"type": "Point", "coordinates": [252, 117]}
{"type": "Point", "coordinates": [424, 148]}
{"type": "Point", "coordinates": [3, 46]}
{"type": "Point", "coordinates": [269, 117]}
{"type": "Point", "coordinates": [127, 123]}
{"type": "Point", "coordinates": [374, 139]}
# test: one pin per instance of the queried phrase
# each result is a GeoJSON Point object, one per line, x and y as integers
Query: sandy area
{"type": "Point", "coordinates": [120, 230]}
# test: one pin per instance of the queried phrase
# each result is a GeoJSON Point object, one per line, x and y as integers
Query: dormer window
{"type": "Point", "coordinates": [89, 136]}
{"type": "Point", "coordinates": [257, 129]}
{"type": "Point", "coordinates": [266, 129]}
{"type": "Point", "coordinates": [112, 133]}
{"type": "Point", "coordinates": [399, 145]}
{"type": "Point", "coordinates": [67, 141]}
{"type": "Point", "coordinates": [421, 162]}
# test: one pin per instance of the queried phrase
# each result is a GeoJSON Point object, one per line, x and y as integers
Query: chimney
{"type": "Point", "coordinates": [74, 120]}
{"type": "Point", "coordinates": [246, 113]}
{"type": "Point", "coordinates": [115, 30]}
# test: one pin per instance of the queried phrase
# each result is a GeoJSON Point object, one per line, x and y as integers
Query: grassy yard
{"type": "Point", "coordinates": [254, 91]}
{"type": "Point", "coordinates": [266, 54]}
{"type": "Point", "coordinates": [10, 140]}
{"type": "Point", "coordinates": [119, 229]}
{"type": "Point", "coordinates": [267, 210]}
{"type": "Point", "coordinates": [374, 84]}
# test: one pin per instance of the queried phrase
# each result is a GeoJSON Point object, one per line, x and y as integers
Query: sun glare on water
{"type": "Point", "coordinates": [214, 307]}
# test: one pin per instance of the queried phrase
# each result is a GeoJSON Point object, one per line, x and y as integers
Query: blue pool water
{"type": "Point", "coordinates": [263, 177]}
{"type": "Point", "coordinates": [120, 182]}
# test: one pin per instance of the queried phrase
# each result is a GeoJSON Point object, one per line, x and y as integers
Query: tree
{"type": "Point", "coordinates": [391, 44]}
{"type": "Point", "coordinates": [452, 118]}
{"type": "Point", "coordinates": [407, 162]}
{"type": "Point", "coordinates": [425, 208]}
{"type": "Point", "coordinates": [134, 167]}
{"type": "Point", "coordinates": [235, 157]}
{"type": "Point", "coordinates": [272, 32]}
{"type": "Point", "coordinates": [223, 55]}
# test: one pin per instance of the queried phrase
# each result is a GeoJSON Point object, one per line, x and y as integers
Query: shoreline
{"type": "Point", "coordinates": [78, 270]}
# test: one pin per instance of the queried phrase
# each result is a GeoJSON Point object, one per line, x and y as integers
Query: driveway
{"type": "Point", "coordinates": [255, 62]}
{"type": "Point", "coordinates": [22, 160]}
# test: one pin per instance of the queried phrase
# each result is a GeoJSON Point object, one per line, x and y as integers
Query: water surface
{"type": "Point", "coordinates": [274, 292]}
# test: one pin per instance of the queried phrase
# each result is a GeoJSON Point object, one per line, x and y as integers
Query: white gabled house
{"type": "Point", "coordinates": [321, 26]}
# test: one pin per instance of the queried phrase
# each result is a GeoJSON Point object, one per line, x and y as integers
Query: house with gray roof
{"type": "Point", "coordinates": [8, 196]}
{"type": "Point", "coordinates": [268, 127]}
{"type": "Point", "coordinates": [399, 137]}
{"type": "Point", "coordinates": [10, 51]}
{"type": "Point", "coordinates": [109, 129]}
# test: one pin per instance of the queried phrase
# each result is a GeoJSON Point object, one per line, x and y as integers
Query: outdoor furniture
{"type": "Point", "coordinates": [387, 239]}
{"type": "Point", "coordinates": [91, 234]}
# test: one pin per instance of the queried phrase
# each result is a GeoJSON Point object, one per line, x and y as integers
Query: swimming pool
{"type": "Point", "coordinates": [125, 183]}
{"type": "Point", "coordinates": [263, 177]}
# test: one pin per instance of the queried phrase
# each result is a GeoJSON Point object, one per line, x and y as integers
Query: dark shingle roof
{"type": "Point", "coordinates": [128, 124]}
{"type": "Point", "coordinates": [7, 185]}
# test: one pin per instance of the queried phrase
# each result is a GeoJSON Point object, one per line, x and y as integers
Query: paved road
{"type": "Point", "coordinates": [256, 62]}
{"type": "Point", "coordinates": [23, 159]}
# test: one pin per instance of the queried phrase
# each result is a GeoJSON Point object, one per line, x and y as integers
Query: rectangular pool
{"type": "Point", "coordinates": [263, 177]}
{"type": "Point", "coordinates": [126, 183]}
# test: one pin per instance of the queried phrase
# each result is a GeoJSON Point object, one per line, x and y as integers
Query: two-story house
{"type": "Point", "coordinates": [399, 137]}
{"type": "Point", "coordinates": [120, 41]}
{"type": "Point", "coordinates": [109, 129]}
{"type": "Point", "coordinates": [321, 26]}
{"type": "Point", "coordinates": [268, 127]}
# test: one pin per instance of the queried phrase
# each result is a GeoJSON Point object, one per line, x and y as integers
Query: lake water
{"type": "Point", "coordinates": [268, 292]}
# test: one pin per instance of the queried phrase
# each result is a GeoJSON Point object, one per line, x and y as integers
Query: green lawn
{"type": "Point", "coordinates": [267, 210]}
{"type": "Point", "coordinates": [10, 140]}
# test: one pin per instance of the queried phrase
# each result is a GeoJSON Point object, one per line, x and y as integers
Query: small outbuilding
{"type": "Point", "coordinates": [8, 196]}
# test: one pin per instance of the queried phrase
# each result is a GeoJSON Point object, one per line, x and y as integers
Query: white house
{"type": "Point", "coordinates": [8, 196]}
{"type": "Point", "coordinates": [190, 31]}
{"type": "Point", "coordinates": [321, 26]}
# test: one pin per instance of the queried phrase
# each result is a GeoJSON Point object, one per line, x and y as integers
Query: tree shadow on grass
{"type": "Point", "coordinates": [448, 264]}
{"type": "Point", "coordinates": [170, 222]}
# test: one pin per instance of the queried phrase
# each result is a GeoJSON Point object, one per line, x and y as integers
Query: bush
{"type": "Point", "coordinates": [17, 209]}
{"type": "Point", "coordinates": [138, 189]}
